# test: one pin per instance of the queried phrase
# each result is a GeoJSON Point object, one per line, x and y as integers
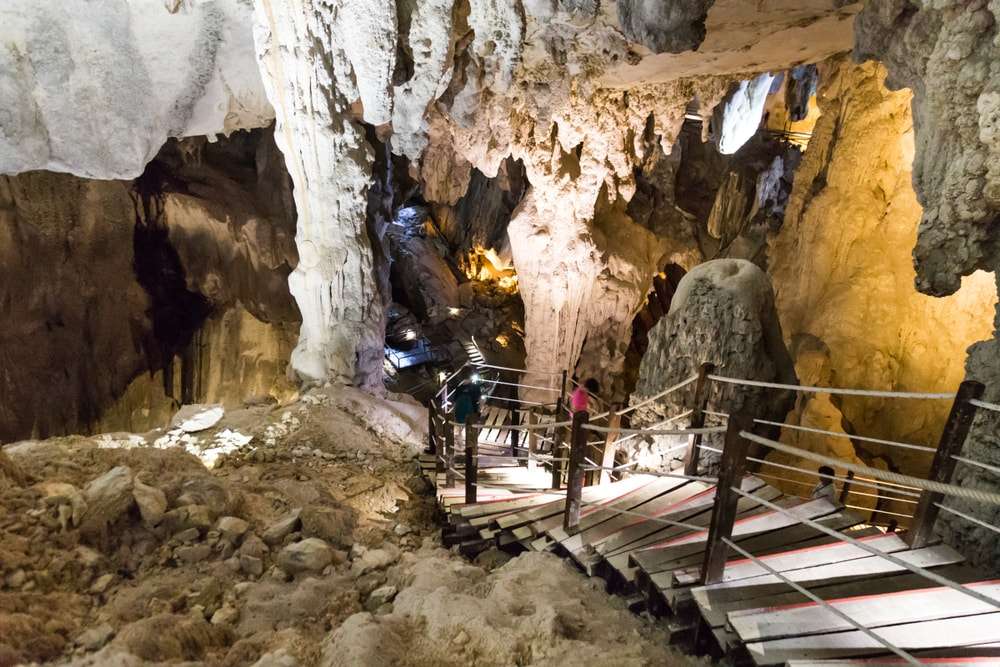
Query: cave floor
{"type": "Point", "coordinates": [316, 542]}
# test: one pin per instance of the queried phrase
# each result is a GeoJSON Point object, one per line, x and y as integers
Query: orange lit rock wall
{"type": "Point", "coordinates": [843, 271]}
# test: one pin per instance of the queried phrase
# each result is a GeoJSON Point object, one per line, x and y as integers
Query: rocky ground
{"type": "Point", "coordinates": [310, 541]}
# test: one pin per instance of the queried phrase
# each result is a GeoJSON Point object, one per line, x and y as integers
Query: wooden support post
{"type": "Point", "coordinates": [574, 478]}
{"type": "Point", "coordinates": [449, 451]}
{"type": "Point", "coordinates": [698, 405]}
{"type": "Point", "coordinates": [471, 456]}
{"type": "Point", "coordinates": [845, 490]}
{"type": "Point", "coordinates": [731, 470]}
{"type": "Point", "coordinates": [532, 440]}
{"type": "Point", "coordinates": [557, 447]}
{"type": "Point", "coordinates": [610, 446]}
{"type": "Point", "coordinates": [956, 429]}
{"type": "Point", "coordinates": [431, 428]}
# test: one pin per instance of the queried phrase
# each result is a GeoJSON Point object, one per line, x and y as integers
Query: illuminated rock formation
{"type": "Point", "coordinates": [843, 273]}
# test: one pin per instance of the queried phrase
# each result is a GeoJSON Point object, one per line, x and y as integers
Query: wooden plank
{"type": "Point", "coordinates": [591, 507]}
{"type": "Point", "coordinates": [686, 568]}
{"type": "Point", "coordinates": [980, 656]}
{"type": "Point", "coordinates": [714, 612]}
{"type": "Point", "coordinates": [645, 532]}
{"type": "Point", "coordinates": [927, 557]}
{"type": "Point", "coordinates": [794, 559]}
{"type": "Point", "coordinates": [519, 502]}
{"type": "Point", "coordinates": [619, 562]}
{"type": "Point", "coordinates": [590, 494]}
{"type": "Point", "coordinates": [870, 611]}
{"type": "Point", "coordinates": [608, 516]}
{"type": "Point", "coordinates": [658, 557]}
{"type": "Point", "coordinates": [937, 634]}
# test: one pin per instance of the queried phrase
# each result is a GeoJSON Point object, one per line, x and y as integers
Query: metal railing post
{"type": "Point", "coordinates": [449, 451]}
{"type": "Point", "coordinates": [732, 468]}
{"type": "Point", "coordinates": [532, 440]}
{"type": "Point", "coordinates": [574, 479]}
{"type": "Point", "coordinates": [431, 428]}
{"type": "Point", "coordinates": [956, 430]}
{"type": "Point", "coordinates": [471, 456]}
{"type": "Point", "coordinates": [557, 447]}
{"type": "Point", "coordinates": [698, 405]}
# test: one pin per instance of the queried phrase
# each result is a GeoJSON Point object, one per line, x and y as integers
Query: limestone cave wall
{"type": "Point", "coordinates": [123, 299]}
{"type": "Point", "coordinates": [843, 273]}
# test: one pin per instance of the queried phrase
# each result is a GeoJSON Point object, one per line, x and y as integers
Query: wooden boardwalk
{"type": "Point", "coordinates": [646, 537]}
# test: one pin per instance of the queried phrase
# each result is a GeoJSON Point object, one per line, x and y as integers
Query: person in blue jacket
{"type": "Point", "coordinates": [467, 397]}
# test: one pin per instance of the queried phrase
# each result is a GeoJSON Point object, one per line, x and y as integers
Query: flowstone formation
{"type": "Point", "coordinates": [849, 284]}
{"type": "Point", "coordinates": [722, 313]}
{"type": "Point", "coordinates": [95, 89]}
{"type": "Point", "coordinates": [947, 54]}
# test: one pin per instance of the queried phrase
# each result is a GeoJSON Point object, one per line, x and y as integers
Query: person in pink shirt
{"type": "Point", "coordinates": [582, 397]}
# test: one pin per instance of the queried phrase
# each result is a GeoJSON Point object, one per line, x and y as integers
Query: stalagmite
{"type": "Point", "coordinates": [329, 161]}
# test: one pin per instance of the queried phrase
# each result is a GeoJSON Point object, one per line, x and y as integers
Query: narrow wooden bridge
{"type": "Point", "coordinates": [735, 568]}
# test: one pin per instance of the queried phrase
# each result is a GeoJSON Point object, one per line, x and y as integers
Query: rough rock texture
{"type": "Point", "coordinates": [842, 270]}
{"type": "Point", "coordinates": [534, 610]}
{"type": "Point", "coordinates": [723, 312]}
{"type": "Point", "coordinates": [946, 53]}
{"type": "Point", "coordinates": [125, 299]}
{"type": "Point", "coordinates": [664, 27]}
{"type": "Point", "coordinates": [96, 88]}
{"type": "Point", "coordinates": [316, 60]}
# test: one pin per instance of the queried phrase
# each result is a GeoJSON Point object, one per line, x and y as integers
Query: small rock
{"type": "Point", "coordinates": [402, 529]}
{"type": "Point", "coordinates": [357, 551]}
{"type": "Point", "coordinates": [279, 658]}
{"type": "Point", "coordinates": [197, 417]}
{"type": "Point", "coordinates": [88, 557]}
{"type": "Point", "coordinates": [152, 502]}
{"type": "Point", "coordinates": [375, 559]}
{"type": "Point", "coordinates": [242, 587]}
{"type": "Point", "coordinates": [252, 565]}
{"type": "Point", "coordinates": [332, 525]}
{"type": "Point", "coordinates": [309, 555]}
{"type": "Point", "coordinates": [278, 574]}
{"type": "Point", "coordinates": [108, 497]}
{"type": "Point", "coordinates": [285, 526]}
{"type": "Point", "coordinates": [385, 609]}
{"type": "Point", "coordinates": [232, 528]}
{"type": "Point", "coordinates": [102, 583]}
{"type": "Point", "coordinates": [225, 616]}
{"type": "Point", "coordinates": [379, 597]}
{"type": "Point", "coordinates": [194, 553]}
{"type": "Point", "coordinates": [253, 546]}
{"type": "Point", "coordinates": [96, 637]}
{"type": "Point", "coordinates": [16, 579]}
{"type": "Point", "coordinates": [187, 535]}
{"type": "Point", "coordinates": [462, 638]}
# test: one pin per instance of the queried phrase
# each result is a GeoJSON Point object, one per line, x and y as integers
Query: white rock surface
{"type": "Point", "coordinates": [96, 88]}
{"type": "Point", "coordinates": [194, 418]}
{"type": "Point", "coordinates": [329, 161]}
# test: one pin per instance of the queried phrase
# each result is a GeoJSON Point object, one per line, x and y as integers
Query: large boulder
{"type": "Point", "coordinates": [722, 313]}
